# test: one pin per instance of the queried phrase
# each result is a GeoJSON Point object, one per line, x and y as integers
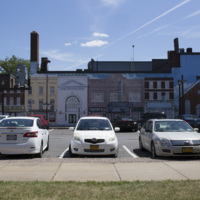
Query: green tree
{"type": "Point", "coordinates": [8, 65]}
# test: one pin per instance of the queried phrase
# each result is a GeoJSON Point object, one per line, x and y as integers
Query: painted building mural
{"type": "Point", "coordinates": [125, 88]}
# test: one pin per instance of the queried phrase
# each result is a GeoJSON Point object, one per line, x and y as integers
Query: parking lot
{"type": "Point", "coordinates": [128, 147]}
{"type": "Point", "coordinates": [60, 140]}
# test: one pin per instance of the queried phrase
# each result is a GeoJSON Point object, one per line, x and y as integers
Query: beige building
{"type": "Point", "coordinates": [42, 96]}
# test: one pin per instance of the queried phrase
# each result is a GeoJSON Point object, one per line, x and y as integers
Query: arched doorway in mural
{"type": "Point", "coordinates": [72, 109]}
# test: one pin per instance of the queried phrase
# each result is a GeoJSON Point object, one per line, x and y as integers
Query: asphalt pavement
{"type": "Point", "coordinates": [98, 169]}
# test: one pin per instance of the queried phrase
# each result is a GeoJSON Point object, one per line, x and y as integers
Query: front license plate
{"type": "Point", "coordinates": [11, 137]}
{"type": "Point", "coordinates": [187, 150]}
{"type": "Point", "coordinates": [94, 147]}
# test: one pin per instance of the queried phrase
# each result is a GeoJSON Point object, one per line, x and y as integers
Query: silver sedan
{"type": "Point", "coordinates": [169, 137]}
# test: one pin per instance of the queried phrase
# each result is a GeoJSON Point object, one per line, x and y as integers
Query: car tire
{"type": "Point", "coordinates": [39, 155]}
{"type": "Point", "coordinates": [153, 151]}
{"type": "Point", "coordinates": [140, 144]}
{"type": "Point", "coordinates": [72, 155]}
{"type": "Point", "coordinates": [47, 149]}
{"type": "Point", "coordinates": [116, 154]}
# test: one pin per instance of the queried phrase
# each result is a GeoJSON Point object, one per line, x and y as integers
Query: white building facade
{"type": "Point", "coordinates": [72, 102]}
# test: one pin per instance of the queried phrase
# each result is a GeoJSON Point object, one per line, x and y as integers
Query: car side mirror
{"type": "Point", "coordinates": [71, 128]}
{"type": "Point", "coordinates": [117, 129]}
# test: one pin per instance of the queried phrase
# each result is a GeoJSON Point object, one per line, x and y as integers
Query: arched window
{"type": "Point", "coordinates": [72, 103]}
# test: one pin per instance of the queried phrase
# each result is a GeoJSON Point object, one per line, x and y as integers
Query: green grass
{"type": "Point", "coordinates": [145, 190]}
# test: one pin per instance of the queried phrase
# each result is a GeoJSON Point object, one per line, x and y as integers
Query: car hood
{"type": "Point", "coordinates": [179, 135]}
{"type": "Point", "coordinates": [94, 134]}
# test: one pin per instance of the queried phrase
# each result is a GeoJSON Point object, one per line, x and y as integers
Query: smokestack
{"type": "Point", "coordinates": [34, 52]}
{"type": "Point", "coordinates": [44, 67]}
{"type": "Point", "coordinates": [176, 46]}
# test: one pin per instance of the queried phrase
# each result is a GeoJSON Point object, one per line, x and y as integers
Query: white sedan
{"type": "Point", "coordinates": [94, 136]}
{"type": "Point", "coordinates": [169, 137]}
{"type": "Point", "coordinates": [23, 135]}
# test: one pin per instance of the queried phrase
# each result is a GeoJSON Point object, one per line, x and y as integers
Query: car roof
{"type": "Point", "coordinates": [20, 118]}
{"type": "Point", "coordinates": [93, 117]}
{"type": "Point", "coordinates": [167, 120]}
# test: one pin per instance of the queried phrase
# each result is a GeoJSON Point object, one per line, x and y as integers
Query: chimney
{"type": "Point", "coordinates": [44, 62]}
{"type": "Point", "coordinates": [34, 52]}
{"type": "Point", "coordinates": [176, 46]}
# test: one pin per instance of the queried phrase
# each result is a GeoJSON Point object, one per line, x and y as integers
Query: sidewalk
{"type": "Point", "coordinates": [55, 169]}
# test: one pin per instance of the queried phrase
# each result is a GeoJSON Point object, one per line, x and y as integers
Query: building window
{"type": "Point", "coordinates": [151, 95]}
{"type": "Point", "coordinates": [166, 84]}
{"type": "Point", "coordinates": [5, 101]}
{"type": "Point", "coordinates": [147, 85]}
{"type": "Point", "coordinates": [163, 85]}
{"type": "Point", "coordinates": [72, 103]}
{"type": "Point", "coordinates": [114, 97]}
{"type": "Point", "coordinates": [159, 97]}
{"type": "Point", "coordinates": [155, 96]}
{"type": "Point", "coordinates": [41, 104]}
{"type": "Point", "coordinates": [11, 101]}
{"type": "Point", "coordinates": [18, 101]}
{"type": "Point", "coordinates": [163, 96]}
{"type": "Point", "coordinates": [146, 95]}
{"type": "Point", "coordinates": [135, 97]}
{"type": "Point", "coordinates": [52, 104]}
{"type": "Point", "coordinates": [171, 95]}
{"type": "Point", "coordinates": [97, 97]}
{"type": "Point", "coordinates": [151, 85]}
{"type": "Point", "coordinates": [40, 90]}
{"type": "Point", "coordinates": [30, 90]}
{"type": "Point", "coordinates": [155, 85]}
{"type": "Point", "coordinates": [158, 85]}
{"type": "Point", "coordinates": [171, 85]}
{"type": "Point", "coordinates": [29, 104]}
{"type": "Point", "coordinates": [52, 90]}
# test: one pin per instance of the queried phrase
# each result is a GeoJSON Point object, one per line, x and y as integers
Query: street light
{"type": "Point", "coordinates": [2, 100]}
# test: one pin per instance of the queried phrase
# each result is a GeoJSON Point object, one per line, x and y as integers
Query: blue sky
{"type": "Point", "coordinates": [71, 32]}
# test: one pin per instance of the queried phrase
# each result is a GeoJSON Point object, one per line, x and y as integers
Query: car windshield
{"type": "Point", "coordinates": [172, 126]}
{"type": "Point", "coordinates": [2, 118]}
{"type": "Point", "coordinates": [94, 124]}
{"type": "Point", "coordinates": [16, 123]}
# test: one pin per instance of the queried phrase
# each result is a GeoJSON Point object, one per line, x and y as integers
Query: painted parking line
{"type": "Point", "coordinates": [63, 154]}
{"type": "Point", "coordinates": [132, 154]}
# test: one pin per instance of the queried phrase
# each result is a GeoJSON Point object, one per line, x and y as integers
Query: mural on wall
{"type": "Point", "coordinates": [153, 94]}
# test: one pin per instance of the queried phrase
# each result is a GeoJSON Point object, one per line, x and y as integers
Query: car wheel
{"type": "Point", "coordinates": [39, 155]}
{"type": "Point", "coordinates": [153, 151]}
{"type": "Point", "coordinates": [140, 144]}
{"type": "Point", "coordinates": [72, 155]}
{"type": "Point", "coordinates": [47, 149]}
{"type": "Point", "coordinates": [116, 154]}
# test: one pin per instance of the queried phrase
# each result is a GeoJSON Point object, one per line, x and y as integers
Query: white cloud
{"type": "Point", "coordinates": [94, 43]}
{"type": "Point", "coordinates": [68, 44]}
{"type": "Point", "coordinates": [100, 35]}
{"type": "Point", "coordinates": [112, 2]}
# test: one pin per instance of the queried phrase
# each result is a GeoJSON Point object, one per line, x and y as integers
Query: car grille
{"type": "Point", "coordinates": [94, 150]}
{"type": "Point", "coordinates": [185, 142]}
{"type": "Point", "coordinates": [94, 141]}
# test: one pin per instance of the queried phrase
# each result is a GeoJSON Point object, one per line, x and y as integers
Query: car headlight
{"type": "Point", "coordinates": [165, 143]}
{"type": "Point", "coordinates": [112, 137]}
{"type": "Point", "coordinates": [76, 136]}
